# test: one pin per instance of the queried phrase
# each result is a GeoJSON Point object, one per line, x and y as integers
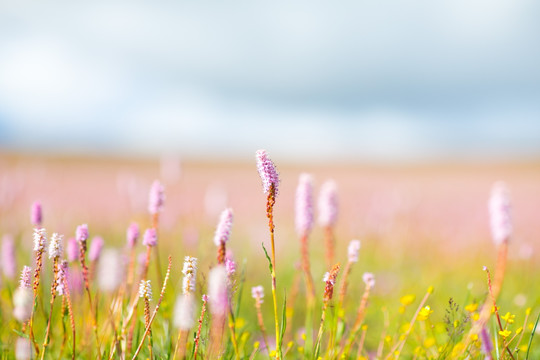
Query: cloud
{"type": "Point", "coordinates": [315, 79]}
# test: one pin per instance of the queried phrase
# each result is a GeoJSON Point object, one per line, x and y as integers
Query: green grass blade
{"type": "Point", "coordinates": [532, 335]}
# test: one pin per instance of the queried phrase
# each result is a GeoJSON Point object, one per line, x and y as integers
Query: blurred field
{"type": "Point", "coordinates": [420, 225]}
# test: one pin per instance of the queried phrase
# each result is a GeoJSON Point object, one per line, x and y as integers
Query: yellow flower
{"type": "Point", "coordinates": [509, 318]}
{"type": "Point", "coordinates": [505, 333]}
{"type": "Point", "coordinates": [239, 323]}
{"type": "Point", "coordinates": [407, 299]}
{"type": "Point", "coordinates": [458, 349]}
{"type": "Point", "coordinates": [404, 328]}
{"type": "Point", "coordinates": [429, 342]}
{"type": "Point", "coordinates": [471, 307]}
{"type": "Point", "coordinates": [424, 313]}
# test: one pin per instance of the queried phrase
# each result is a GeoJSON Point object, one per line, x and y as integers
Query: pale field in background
{"type": "Point", "coordinates": [419, 224]}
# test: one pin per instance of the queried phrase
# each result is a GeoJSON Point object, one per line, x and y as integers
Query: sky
{"type": "Point", "coordinates": [309, 80]}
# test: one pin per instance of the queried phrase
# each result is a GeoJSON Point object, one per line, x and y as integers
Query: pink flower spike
{"type": "Point", "coordinates": [304, 205]}
{"type": "Point", "coordinates": [156, 198]}
{"type": "Point", "coordinates": [62, 273]}
{"type": "Point", "coordinates": [328, 204]}
{"type": "Point", "coordinates": [26, 278]}
{"type": "Point", "coordinates": [82, 233]}
{"type": "Point", "coordinates": [36, 215]}
{"type": "Point", "coordinates": [8, 261]}
{"type": "Point", "coordinates": [95, 248]}
{"type": "Point", "coordinates": [132, 234]}
{"type": "Point", "coordinates": [487, 345]}
{"type": "Point", "coordinates": [500, 213]}
{"type": "Point", "coordinates": [150, 237]}
{"type": "Point", "coordinates": [223, 230]}
{"type": "Point", "coordinates": [267, 171]}
{"type": "Point", "coordinates": [72, 249]}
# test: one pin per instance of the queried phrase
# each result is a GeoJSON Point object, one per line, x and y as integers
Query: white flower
{"type": "Point", "coordinates": [23, 299]}
{"type": "Point", "coordinates": [369, 279]}
{"type": "Point", "coordinates": [184, 312]}
{"type": "Point", "coordinates": [110, 271]}
{"type": "Point", "coordinates": [56, 248]}
{"type": "Point", "coordinates": [190, 274]}
{"type": "Point", "coordinates": [354, 248]}
{"type": "Point", "coordinates": [40, 237]}
{"type": "Point", "coordinates": [499, 211]}
{"type": "Point", "coordinates": [257, 292]}
{"type": "Point", "coordinates": [145, 289]}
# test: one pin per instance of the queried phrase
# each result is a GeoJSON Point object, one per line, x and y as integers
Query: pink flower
{"type": "Point", "coordinates": [223, 230]}
{"type": "Point", "coordinates": [150, 237]}
{"type": "Point", "coordinates": [304, 205]}
{"type": "Point", "coordinates": [156, 198]}
{"type": "Point", "coordinates": [95, 248]}
{"type": "Point", "coordinates": [26, 277]}
{"type": "Point", "coordinates": [267, 171]}
{"type": "Point", "coordinates": [132, 234]}
{"type": "Point", "coordinates": [328, 204]}
{"type": "Point", "coordinates": [500, 213]}
{"type": "Point", "coordinates": [36, 215]}
{"type": "Point", "coordinates": [82, 233]}
{"type": "Point", "coordinates": [62, 274]}
{"type": "Point", "coordinates": [72, 249]}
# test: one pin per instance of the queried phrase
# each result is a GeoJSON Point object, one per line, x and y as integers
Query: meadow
{"type": "Point", "coordinates": [432, 271]}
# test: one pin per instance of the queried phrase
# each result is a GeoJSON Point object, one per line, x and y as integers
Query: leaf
{"type": "Point", "coordinates": [20, 333]}
{"type": "Point", "coordinates": [531, 338]}
{"type": "Point", "coordinates": [268, 258]}
{"type": "Point", "coordinates": [283, 321]}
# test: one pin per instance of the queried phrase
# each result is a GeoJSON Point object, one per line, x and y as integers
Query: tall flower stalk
{"type": "Point", "coordinates": [499, 208]}
{"type": "Point", "coordinates": [184, 312]}
{"type": "Point", "coordinates": [369, 281]}
{"type": "Point", "coordinates": [304, 224]}
{"type": "Point", "coordinates": [330, 281]}
{"type": "Point", "coordinates": [352, 255]}
{"type": "Point", "coordinates": [328, 212]}
{"type": "Point", "coordinates": [257, 292]}
{"type": "Point", "coordinates": [55, 252]}
{"type": "Point", "coordinates": [156, 201]}
{"type": "Point", "coordinates": [223, 233]}
{"type": "Point", "coordinates": [40, 241]}
{"type": "Point", "coordinates": [145, 292]}
{"type": "Point", "coordinates": [270, 181]}
{"type": "Point", "coordinates": [81, 235]}
{"type": "Point", "coordinates": [219, 307]}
